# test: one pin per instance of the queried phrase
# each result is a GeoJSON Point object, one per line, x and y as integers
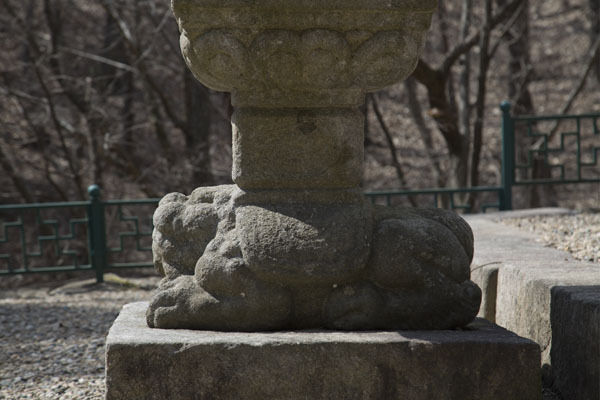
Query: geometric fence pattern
{"type": "Point", "coordinates": [84, 235]}
{"type": "Point", "coordinates": [576, 166]}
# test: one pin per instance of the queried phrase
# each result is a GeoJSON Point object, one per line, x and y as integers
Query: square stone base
{"type": "Point", "coordinates": [481, 362]}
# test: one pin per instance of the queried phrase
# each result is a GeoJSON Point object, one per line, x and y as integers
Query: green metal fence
{"type": "Point", "coordinates": [73, 236]}
{"type": "Point", "coordinates": [98, 235]}
{"type": "Point", "coordinates": [436, 198]}
{"type": "Point", "coordinates": [547, 142]}
{"type": "Point", "coordinates": [580, 128]}
{"type": "Point", "coordinates": [16, 218]}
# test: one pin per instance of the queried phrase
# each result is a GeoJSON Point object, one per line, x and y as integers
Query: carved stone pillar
{"type": "Point", "coordinates": [294, 244]}
{"type": "Point", "coordinates": [297, 72]}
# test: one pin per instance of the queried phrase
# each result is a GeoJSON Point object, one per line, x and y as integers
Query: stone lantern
{"type": "Point", "coordinates": [293, 246]}
{"type": "Point", "coordinates": [294, 243]}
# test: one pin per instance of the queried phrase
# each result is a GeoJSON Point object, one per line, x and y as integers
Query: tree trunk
{"type": "Point", "coordinates": [484, 63]}
{"type": "Point", "coordinates": [595, 33]}
{"type": "Point", "coordinates": [426, 135]}
{"type": "Point", "coordinates": [197, 129]}
{"type": "Point", "coordinates": [520, 71]}
{"type": "Point", "coordinates": [445, 116]}
{"type": "Point", "coordinates": [464, 100]}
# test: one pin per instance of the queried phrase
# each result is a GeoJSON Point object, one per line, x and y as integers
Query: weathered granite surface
{"type": "Point", "coordinates": [310, 53]}
{"type": "Point", "coordinates": [498, 244]}
{"type": "Point", "coordinates": [524, 303]}
{"type": "Point", "coordinates": [526, 274]}
{"type": "Point", "coordinates": [481, 362]}
{"type": "Point", "coordinates": [575, 353]}
{"type": "Point", "coordinates": [545, 295]}
{"type": "Point", "coordinates": [294, 244]}
{"type": "Point", "coordinates": [321, 261]}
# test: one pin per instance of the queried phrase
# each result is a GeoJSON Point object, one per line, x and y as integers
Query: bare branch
{"type": "Point", "coordinates": [97, 58]}
{"type": "Point", "coordinates": [75, 171]}
{"type": "Point", "coordinates": [40, 136]}
{"type": "Point", "coordinates": [592, 54]}
{"type": "Point", "coordinates": [9, 170]}
{"type": "Point", "coordinates": [391, 146]}
{"type": "Point", "coordinates": [475, 38]}
{"type": "Point", "coordinates": [484, 63]}
{"type": "Point", "coordinates": [506, 28]}
{"type": "Point", "coordinates": [426, 134]}
{"type": "Point", "coordinates": [464, 102]}
{"type": "Point", "coordinates": [132, 45]}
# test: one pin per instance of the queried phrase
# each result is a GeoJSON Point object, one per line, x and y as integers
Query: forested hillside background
{"type": "Point", "coordinates": [97, 92]}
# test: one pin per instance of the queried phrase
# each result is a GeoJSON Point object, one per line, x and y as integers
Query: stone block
{"type": "Point", "coordinates": [575, 353]}
{"type": "Point", "coordinates": [486, 277]}
{"type": "Point", "coordinates": [482, 361]}
{"type": "Point", "coordinates": [497, 245]}
{"type": "Point", "coordinates": [542, 294]}
{"type": "Point", "coordinates": [524, 303]}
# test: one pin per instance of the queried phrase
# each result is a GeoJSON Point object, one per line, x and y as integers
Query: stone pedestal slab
{"type": "Point", "coordinates": [481, 362]}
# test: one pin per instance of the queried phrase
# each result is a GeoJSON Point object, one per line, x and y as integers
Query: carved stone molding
{"type": "Point", "coordinates": [294, 56]}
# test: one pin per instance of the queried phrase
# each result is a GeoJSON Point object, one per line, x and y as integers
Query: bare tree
{"type": "Point", "coordinates": [102, 102]}
{"type": "Point", "coordinates": [197, 129]}
{"type": "Point", "coordinates": [464, 150]}
{"type": "Point", "coordinates": [595, 33]}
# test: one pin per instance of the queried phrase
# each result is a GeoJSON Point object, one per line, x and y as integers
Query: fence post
{"type": "Point", "coordinates": [508, 156]}
{"type": "Point", "coordinates": [96, 233]}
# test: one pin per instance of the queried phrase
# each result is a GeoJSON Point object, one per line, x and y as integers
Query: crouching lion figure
{"type": "Point", "coordinates": [234, 260]}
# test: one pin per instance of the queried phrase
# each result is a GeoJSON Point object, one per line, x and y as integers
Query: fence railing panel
{"type": "Point", "coordinates": [568, 146]}
{"type": "Point", "coordinates": [44, 237]}
{"type": "Point", "coordinates": [555, 149]}
{"type": "Point", "coordinates": [129, 237]}
{"type": "Point", "coordinates": [438, 198]}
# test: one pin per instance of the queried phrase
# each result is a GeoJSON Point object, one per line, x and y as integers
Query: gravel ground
{"type": "Point", "coordinates": [52, 339]}
{"type": "Point", "coordinates": [579, 234]}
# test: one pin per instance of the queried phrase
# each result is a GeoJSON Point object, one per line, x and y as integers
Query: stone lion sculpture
{"type": "Point", "coordinates": [231, 262]}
